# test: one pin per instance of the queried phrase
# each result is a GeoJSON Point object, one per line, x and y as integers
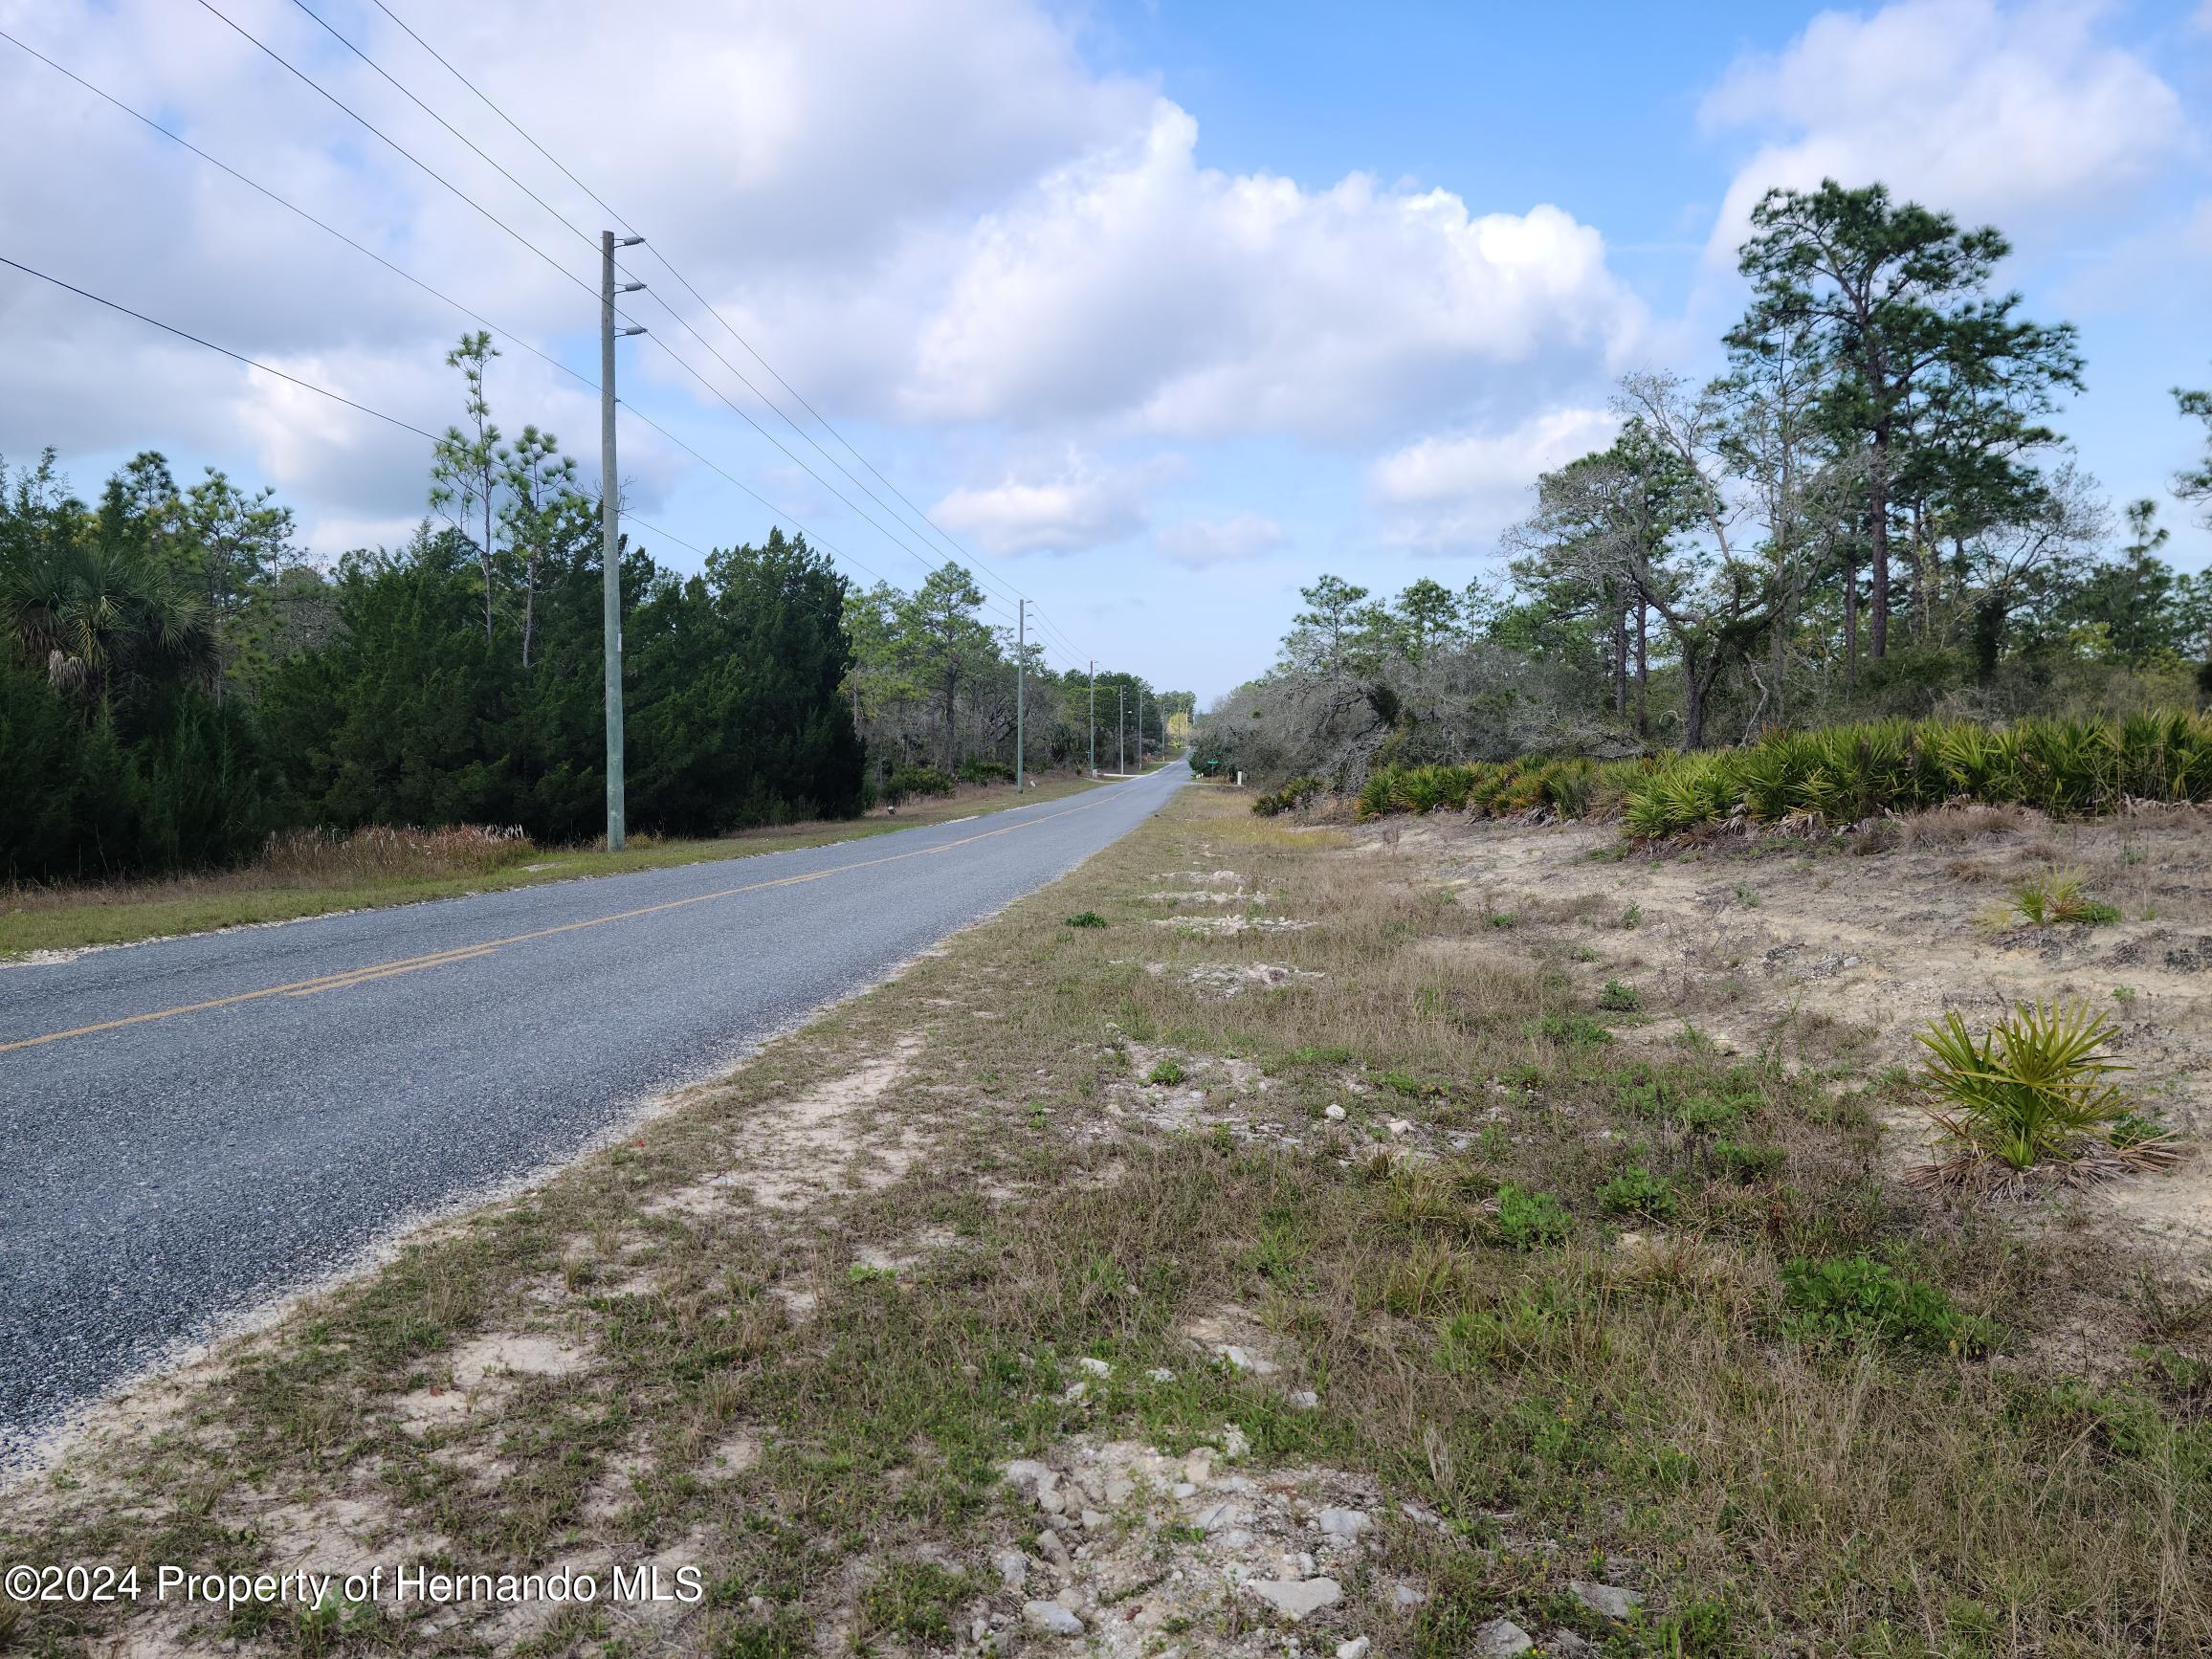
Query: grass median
{"type": "Point", "coordinates": [1301, 1172]}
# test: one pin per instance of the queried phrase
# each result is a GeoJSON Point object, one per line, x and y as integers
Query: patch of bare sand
{"type": "Point", "coordinates": [1835, 958]}
{"type": "Point", "coordinates": [479, 1372]}
{"type": "Point", "coordinates": [832, 1136]}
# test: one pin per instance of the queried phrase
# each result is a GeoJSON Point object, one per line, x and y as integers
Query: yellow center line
{"type": "Point", "coordinates": [392, 968]}
{"type": "Point", "coordinates": [351, 977]}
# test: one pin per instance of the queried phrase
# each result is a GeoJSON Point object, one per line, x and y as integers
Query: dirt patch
{"type": "Point", "coordinates": [478, 1372]}
{"type": "Point", "coordinates": [1135, 1546]}
{"type": "Point", "coordinates": [1225, 981]}
{"type": "Point", "coordinates": [1834, 960]}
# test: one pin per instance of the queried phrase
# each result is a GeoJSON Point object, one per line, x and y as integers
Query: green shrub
{"type": "Point", "coordinates": [2033, 1088]}
{"type": "Point", "coordinates": [1406, 1084]}
{"type": "Point", "coordinates": [1618, 999]}
{"type": "Point", "coordinates": [981, 771]}
{"type": "Point", "coordinates": [1167, 1072]}
{"type": "Point", "coordinates": [1574, 1030]}
{"type": "Point", "coordinates": [1743, 1162]}
{"type": "Point", "coordinates": [1857, 1297]}
{"type": "Point", "coordinates": [2058, 900]}
{"type": "Point", "coordinates": [2134, 1129]}
{"type": "Point", "coordinates": [1845, 774]}
{"type": "Point", "coordinates": [1295, 795]}
{"type": "Point", "coordinates": [905, 781]}
{"type": "Point", "coordinates": [1637, 1191]}
{"type": "Point", "coordinates": [1527, 1219]}
{"type": "Point", "coordinates": [1711, 1114]}
{"type": "Point", "coordinates": [1086, 919]}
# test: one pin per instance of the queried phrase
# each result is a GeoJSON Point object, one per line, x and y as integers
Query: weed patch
{"type": "Point", "coordinates": [1857, 1297]}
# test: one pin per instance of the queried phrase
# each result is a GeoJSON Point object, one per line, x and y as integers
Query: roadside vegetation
{"type": "Point", "coordinates": [308, 873]}
{"type": "Point", "coordinates": [1863, 553]}
{"type": "Point", "coordinates": [1298, 1173]}
{"type": "Point", "coordinates": [179, 681]}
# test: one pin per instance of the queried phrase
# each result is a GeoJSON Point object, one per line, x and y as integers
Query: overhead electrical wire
{"type": "Point", "coordinates": [577, 232]}
{"type": "Point", "coordinates": [235, 356]}
{"type": "Point", "coordinates": [518, 236]}
{"type": "Point", "coordinates": [660, 255]}
{"type": "Point", "coordinates": [590, 242]}
{"type": "Point", "coordinates": [710, 308]}
{"type": "Point", "coordinates": [325, 391]}
{"type": "Point", "coordinates": [813, 537]}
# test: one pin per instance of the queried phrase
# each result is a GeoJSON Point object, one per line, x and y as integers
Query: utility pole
{"type": "Point", "coordinates": [1021, 665]}
{"type": "Point", "coordinates": [1141, 725]}
{"type": "Point", "coordinates": [1094, 717]}
{"type": "Point", "coordinates": [1121, 729]}
{"type": "Point", "coordinates": [610, 530]}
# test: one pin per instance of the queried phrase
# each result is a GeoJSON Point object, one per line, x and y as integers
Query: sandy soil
{"type": "Point", "coordinates": [1836, 955]}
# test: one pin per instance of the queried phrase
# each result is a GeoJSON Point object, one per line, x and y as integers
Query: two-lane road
{"type": "Point", "coordinates": [190, 1127]}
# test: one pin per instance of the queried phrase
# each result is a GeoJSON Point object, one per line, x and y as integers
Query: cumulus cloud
{"type": "Point", "coordinates": [1202, 541]}
{"type": "Point", "coordinates": [1988, 111]}
{"type": "Point", "coordinates": [1081, 506]}
{"type": "Point", "coordinates": [1457, 491]}
{"type": "Point", "coordinates": [1135, 284]}
{"type": "Point", "coordinates": [938, 217]}
{"type": "Point", "coordinates": [937, 113]}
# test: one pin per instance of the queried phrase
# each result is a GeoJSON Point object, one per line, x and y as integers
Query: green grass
{"type": "Point", "coordinates": [1618, 999]}
{"type": "Point", "coordinates": [1856, 1298]}
{"type": "Point", "coordinates": [39, 919]}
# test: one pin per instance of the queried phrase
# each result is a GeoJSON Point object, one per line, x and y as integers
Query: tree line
{"type": "Point", "coordinates": [179, 679]}
{"type": "Point", "coordinates": [1869, 512]}
{"type": "Point", "coordinates": [933, 685]}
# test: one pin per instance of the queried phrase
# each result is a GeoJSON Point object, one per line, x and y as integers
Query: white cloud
{"type": "Point", "coordinates": [1202, 542]}
{"type": "Point", "coordinates": [773, 139]}
{"type": "Point", "coordinates": [1135, 286]}
{"type": "Point", "coordinates": [936, 216]}
{"type": "Point", "coordinates": [1081, 506]}
{"type": "Point", "coordinates": [2014, 114]}
{"type": "Point", "coordinates": [1457, 491]}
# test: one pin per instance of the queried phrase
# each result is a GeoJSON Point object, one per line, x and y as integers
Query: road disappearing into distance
{"type": "Point", "coordinates": [193, 1126]}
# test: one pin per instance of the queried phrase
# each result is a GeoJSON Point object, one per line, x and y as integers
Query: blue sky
{"type": "Point", "coordinates": [1161, 310]}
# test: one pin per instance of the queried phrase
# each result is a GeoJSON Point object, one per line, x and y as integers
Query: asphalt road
{"type": "Point", "coordinates": [191, 1127]}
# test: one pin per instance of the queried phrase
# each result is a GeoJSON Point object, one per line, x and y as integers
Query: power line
{"type": "Point", "coordinates": [508, 334]}
{"type": "Point", "coordinates": [490, 103]}
{"type": "Point", "coordinates": [396, 145]}
{"type": "Point", "coordinates": [605, 207]}
{"type": "Point", "coordinates": [440, 120]}
{"type": "Point", "coordinates": [235, 356]}
{"type": "Point", "coordinates": [493, 218]}
{"type": "Point", "coordinates": [462, 195]}
{"type": "Point", "coordinates": [585, 237]}
{"type": "Point", "coordinates": [318, 390]}
{"type": "Point", "coordinates": [292, 207]}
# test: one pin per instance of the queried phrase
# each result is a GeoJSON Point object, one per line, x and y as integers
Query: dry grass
{"type": "Point", "coordinates": [813, 1398]}
{"type": "Point", "coordinates": [382, 853]}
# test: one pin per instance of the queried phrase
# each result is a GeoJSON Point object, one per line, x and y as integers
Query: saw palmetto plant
{"type": "Point", "coordinates": [2033, 1097]}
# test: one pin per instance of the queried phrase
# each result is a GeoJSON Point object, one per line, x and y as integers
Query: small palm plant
{"type": "Point", "coordinates": [2060, 901]}
{"type": "Point", "coordinates": [2031, 1099]}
